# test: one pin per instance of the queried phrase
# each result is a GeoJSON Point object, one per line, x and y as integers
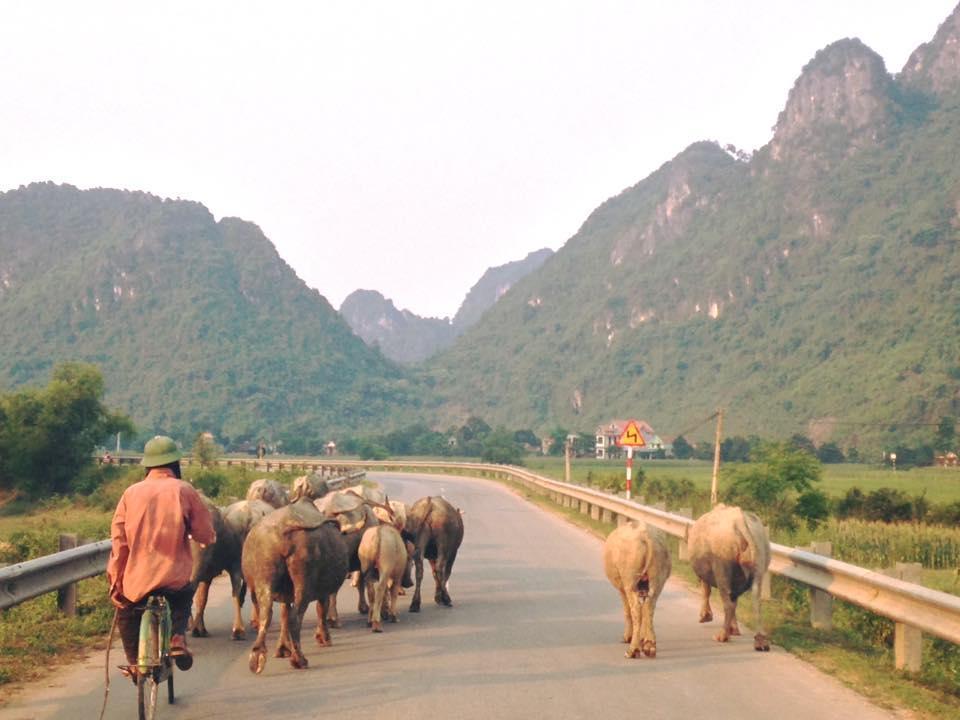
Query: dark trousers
{"type": "Point", "coordinates": [128, 618]}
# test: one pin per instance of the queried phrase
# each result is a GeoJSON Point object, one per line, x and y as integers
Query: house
{"type": "Point", "coordinates": [608, 433]}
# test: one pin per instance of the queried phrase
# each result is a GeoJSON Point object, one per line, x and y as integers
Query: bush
{"type": "Point", "coordinates": [209, 481]}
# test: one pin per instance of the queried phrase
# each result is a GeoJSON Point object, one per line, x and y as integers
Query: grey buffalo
{"type": "Point", "coordinates": [730, 550]}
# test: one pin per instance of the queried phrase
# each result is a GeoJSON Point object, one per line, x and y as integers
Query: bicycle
{"type": "Point", "coordinates": [154, 662]}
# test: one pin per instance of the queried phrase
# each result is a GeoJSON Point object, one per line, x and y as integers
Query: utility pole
{"type": "Point", "coordinates": [716, 457]}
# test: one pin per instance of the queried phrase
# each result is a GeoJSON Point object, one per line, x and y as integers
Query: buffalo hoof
{"type": "Point", "coordinates": [632, 653]}
{"type": "Point", "coordinates": [282, 651]}
{"type": "Point", "coordinates": [392, 618]}
{"type": "Point", "coordinates": [377, 627]}
{"type": "Point", "coordinates": [706, 616]}
{"type": "Point", "coordinates": [363, 608]}
{"type": "Point", "coordinates": [258, 661]}
{"type": "Point", "coordinates": [760, 643]}
{"type": "Point", "coordinates": [734, 628]}
{"type": "Point", "coordinates": [444, 600]}
{"type": "Point", "coordinates": [722, 636]}
{"type": "Point", "coordinates": [323, 638]}
{"type": "Point", "coordinates": [200, 632]}
{"type": "Point", "coordinates": [333, 622]}
{"type": "Point", "coordinates": [238, 634]}
{"type": "Point", "coordinates": [298, 662]}
{"type": "Point", "coordinates": [415, 606]}
{"type": "Point", "coordinates": [649, 648]}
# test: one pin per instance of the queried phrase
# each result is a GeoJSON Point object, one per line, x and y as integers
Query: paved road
{"type": "Point", "coordinates": [534, 633]}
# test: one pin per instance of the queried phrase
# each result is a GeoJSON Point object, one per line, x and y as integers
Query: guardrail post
{"type": "Point", "coordinates": [682, 553]}
{"type": "Point", "coordinates": [67, 595]}
{"type": "Point", "coordinates": [907, 640]}
{"type": "Point", "coordinates": [821, 603]}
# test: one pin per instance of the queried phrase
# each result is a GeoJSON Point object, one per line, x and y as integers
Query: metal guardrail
{"type": "Point", "coordinates": [32, 578]}
{"type": "Point", "coordinates": [931, 611]}
{"type": "Point", "coordinates": [27, 580]}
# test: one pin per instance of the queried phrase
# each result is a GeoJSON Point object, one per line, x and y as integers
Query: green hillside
{"type": "Point", "coordinates": [811, 288]}
{"type": "Point", "coordinates": [195, 324]}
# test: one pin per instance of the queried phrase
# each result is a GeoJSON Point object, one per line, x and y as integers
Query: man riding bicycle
{"type": "Point", "coordinates": [151, 531]}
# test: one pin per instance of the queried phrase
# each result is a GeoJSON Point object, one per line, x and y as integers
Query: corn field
{"type": "Point", "coordinates": [879, 545]}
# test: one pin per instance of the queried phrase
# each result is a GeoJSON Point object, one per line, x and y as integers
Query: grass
{"type": "Point", "coordinates": [940, 485]}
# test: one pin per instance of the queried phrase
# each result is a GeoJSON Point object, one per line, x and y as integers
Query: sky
{"type": "Point", "coordinates": [406, 146]}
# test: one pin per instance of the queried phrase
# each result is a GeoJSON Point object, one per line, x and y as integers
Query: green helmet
{"type": "Point", "coordinates": [160, 450]}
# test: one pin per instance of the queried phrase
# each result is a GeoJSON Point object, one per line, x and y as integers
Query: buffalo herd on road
{"type": "Point", "coordinates": [296, 546]}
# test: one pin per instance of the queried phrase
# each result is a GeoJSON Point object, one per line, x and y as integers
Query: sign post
{"type": "Point", "coordinates": [630, 438]}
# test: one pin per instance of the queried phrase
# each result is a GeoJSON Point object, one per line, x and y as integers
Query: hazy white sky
{"type": "Point", "coordinates": [405, 146]}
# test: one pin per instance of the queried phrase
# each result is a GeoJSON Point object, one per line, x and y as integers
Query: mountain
{"type": "Point", "coordinates": [493, 284]}
{"type": "Point", "coordinates": [195, 324]}
{"type": "Point", "coordinates": [400, 334]}
{"type": "Point", "coordinates": [408, 338]}
{"type": "Point", "coordinates": [813, 287]}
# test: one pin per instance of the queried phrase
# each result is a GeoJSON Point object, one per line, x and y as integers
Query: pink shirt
{"type": "Point", "coordinates": [151, 532]}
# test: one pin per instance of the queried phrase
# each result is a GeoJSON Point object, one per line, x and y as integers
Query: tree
{"type": "Point", "coordinates": [946, 434]}
{"type": "Point", "coordinates": [205, 450]}
{"type": "Point", "coordinates": [830, 452]}
{"type": "Point", "coordinates": [682, 450]}
{"type": "Point", "coordinates": [499, 446]}
{"type": "Point", "coordinates": [802, 442]}
{"type": "Point", "coordinates": [779, 485]}
{"type": "Point", "coordinates": [48, 436]}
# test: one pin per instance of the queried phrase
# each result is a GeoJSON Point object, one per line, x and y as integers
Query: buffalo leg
{"type": "Point", "coordinates": [238, 590]}
{"type": "Point", "coordinates": [724, 580]}
{"type": "Point", "coordinates": [297, 611]}
{"type": "Point", "coordinates": [284, 645]}
{"type": "Point", "coordinates": [258, 653]}
{"type": "Point", "coordinates": [634, 603]}
{"type": "Point", "coordinates": [323, 633]}
{"type": "Point", "coordinates": [362, 606]}
{"type": "Point", "coordinates": [376, 604]}
{"type": "Point", "coordinates": [394, 591]}
{"type": "Point", "coordinates": [648, 637]}
{"type": "Point", "coordinates": [627, 620]}
{"type": "Point", "coordinates": [760, 641]}
{"type": "Point", "coordinates": [200, 600]}
{"type": "Point", "coordinates": [706, 614]}
{"type": "Point", "coordinates": [418, 579]}
{"type": "Point", "coordinates": [333, 617]}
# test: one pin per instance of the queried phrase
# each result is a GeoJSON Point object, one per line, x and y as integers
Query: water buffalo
{"type": "Point", "coordinates": [293, 556]}
{"type": "Point", "coordinates": [270, 491]}
{"type": "Point", "coordinates": [232, 525]}
{"type": "Point", "coordinates": [311, 487]}
{"type": "Point", "coordinates": [729, 549]}
{"type": "Point", "coordinates": [354, 515]}
{"type": "Point", "coordinates": [637, 563]}
{"type": "Point", "coordinates": [383, 562]}
{"type": "Point", "coordinates": [435, 528]}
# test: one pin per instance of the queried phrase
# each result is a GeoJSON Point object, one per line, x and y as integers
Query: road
{"type": "Point", "coordinates": [534, 632]}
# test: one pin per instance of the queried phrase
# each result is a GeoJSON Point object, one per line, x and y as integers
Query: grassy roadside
{"type": "Point", "coordinates": [848, 652]}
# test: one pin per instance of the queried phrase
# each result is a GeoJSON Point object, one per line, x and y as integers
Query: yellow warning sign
{"type": "Point", "coordinates": [631, 436]}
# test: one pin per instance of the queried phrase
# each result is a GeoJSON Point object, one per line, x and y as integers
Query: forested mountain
{"type": "Point", "coordinates": [406, 337]}
{"type": "Point", "coordinates": [401, 335]}
{"type": "Point", "coordinates": [812, 287]}
{"type": "Point", "coordinates": [195, 324]}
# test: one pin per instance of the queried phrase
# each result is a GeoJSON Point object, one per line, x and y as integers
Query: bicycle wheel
{"type": "Point", "coordinates": [147, 692]}
{"type": "Point", "coordinates": [147, 662]}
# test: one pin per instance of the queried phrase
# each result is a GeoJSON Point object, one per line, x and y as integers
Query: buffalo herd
{"type": "Point", "coordinates": [297, 546]}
